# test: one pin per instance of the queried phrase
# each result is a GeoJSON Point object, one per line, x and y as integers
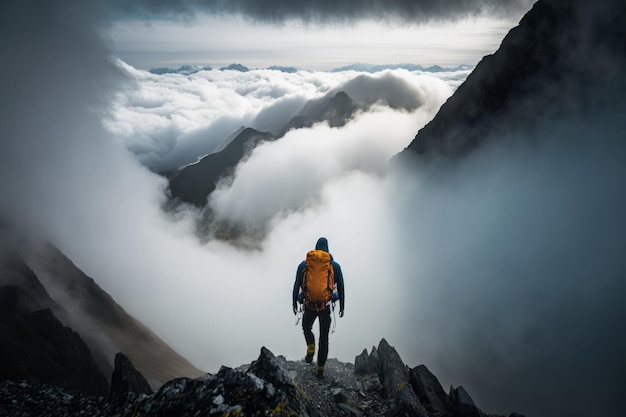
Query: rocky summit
{"type": "Point", "coordinates": [378, 384]}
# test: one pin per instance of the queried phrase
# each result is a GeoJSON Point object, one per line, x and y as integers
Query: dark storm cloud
{"type": "Point", "coordinates": [331, 10]}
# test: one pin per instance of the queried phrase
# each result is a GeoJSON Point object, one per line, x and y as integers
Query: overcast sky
{"type": "Point", "coordinates": [310, 34]}
{"type": "Point", "coordinates": [220, 41]}
{"type": "Point", "coordinates": [482, 262]}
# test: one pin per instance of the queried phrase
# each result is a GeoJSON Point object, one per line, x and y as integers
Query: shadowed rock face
{"type": "Point", "coordinates": [34, 345]}
{"type": "Point", "coordinates": [126, 380]}
{"type": "Point", "coordinates": [55, 354]}
{"type": "Point", "coordinates": [565, 57]}
{"type": "Point", "coordinates": [72, 352]}
{"type": "Point", "coordinates": [429, 390]}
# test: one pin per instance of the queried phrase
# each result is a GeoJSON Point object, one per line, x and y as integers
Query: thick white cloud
{"type": "Point", "coordinates": [290, 174]}
{"type": "Point", "coordinates": [169, 120]}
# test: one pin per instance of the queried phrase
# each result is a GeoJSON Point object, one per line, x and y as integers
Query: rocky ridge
{"type": "Point", "coordinates": [564, 60]}
{"type": "Point", "coordinates": [378, 384]}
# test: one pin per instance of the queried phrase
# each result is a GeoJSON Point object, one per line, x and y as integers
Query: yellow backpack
{"type": "Point", "coordinates": [318, 282]}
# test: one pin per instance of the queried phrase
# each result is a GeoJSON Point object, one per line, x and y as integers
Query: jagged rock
{"type": "Point", "coordinates": [394, 372]}
{"type": "Point", "coordinates": [374, 361]}
{"type": "Point", "coordinates": [264, 389]}
{"type": "Point", "coordinates": [272, 369]}
{"type": "Point", "coordinates": [461, 403]}
{"type": "Point", "coordinates": [395, 376]}
{"type": "Point", "coordinates": [361, 363]}
{"type": "Point", "coordinates": [270, 386]}
{"type": "Point", "coordinates": [365, 363]}
{"type": "Point", "coordinates": [429, 390]}
{"type": "Point", "coordinates": [126, 380]}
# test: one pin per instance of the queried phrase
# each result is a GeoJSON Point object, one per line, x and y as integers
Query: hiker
{"type": "Point", "coordinates": [318, 268]}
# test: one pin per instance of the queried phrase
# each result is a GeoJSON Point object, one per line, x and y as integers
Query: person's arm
{"type": "Point", "coordinates": [296, 288]}
{"type": "Point", "coordinates": [340, 286]}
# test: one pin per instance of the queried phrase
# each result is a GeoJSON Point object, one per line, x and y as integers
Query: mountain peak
{"type": "Point", "coordinates": [564, 57]}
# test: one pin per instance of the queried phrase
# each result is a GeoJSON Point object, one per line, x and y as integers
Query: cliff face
{"type": "Point", "coordinates": [564, 58]}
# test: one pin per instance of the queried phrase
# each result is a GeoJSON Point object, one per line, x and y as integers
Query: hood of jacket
{"type": "Point", "coordinates": [322, 244]}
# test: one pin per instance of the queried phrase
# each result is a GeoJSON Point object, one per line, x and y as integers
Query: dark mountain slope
{"type": "Point", "coordinates": [34, 345]}
{"type": "Point", "coordinates": [195, 182]}
{"type": "Point", "coordinates": [105, 325]}
{"type": "Point", "coordinates": [564, 58]}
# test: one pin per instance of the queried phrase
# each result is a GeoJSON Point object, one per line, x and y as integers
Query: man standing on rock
{"type": "Point", "coordinates": [319, 283]}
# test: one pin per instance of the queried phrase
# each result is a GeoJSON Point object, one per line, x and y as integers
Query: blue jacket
{"type": "Point", "coordinates": [322, 244]}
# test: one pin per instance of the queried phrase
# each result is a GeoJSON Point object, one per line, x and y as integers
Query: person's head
{"type": "Point", "coordinates": [322, 244]}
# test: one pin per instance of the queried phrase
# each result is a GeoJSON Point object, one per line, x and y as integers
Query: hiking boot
{"type": "Point", "coordinates": [320, 372]}
{"type": "Point", "coordinates": [310, 351]}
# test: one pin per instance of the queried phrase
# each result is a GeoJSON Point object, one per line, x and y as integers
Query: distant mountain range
{"type": "Point", "coordinates": [192, 69]}
{"type": "Point", "coordinates": [408, 67]}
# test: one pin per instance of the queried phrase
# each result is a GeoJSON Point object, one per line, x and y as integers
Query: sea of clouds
{"type": "Point", "coordinates": [170, 120]}
{"type": "Point", "coordinates": [318, 181]}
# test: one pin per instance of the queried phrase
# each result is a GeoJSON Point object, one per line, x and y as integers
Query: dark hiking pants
{"type": "Point", "coordinates": [308, 318]}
